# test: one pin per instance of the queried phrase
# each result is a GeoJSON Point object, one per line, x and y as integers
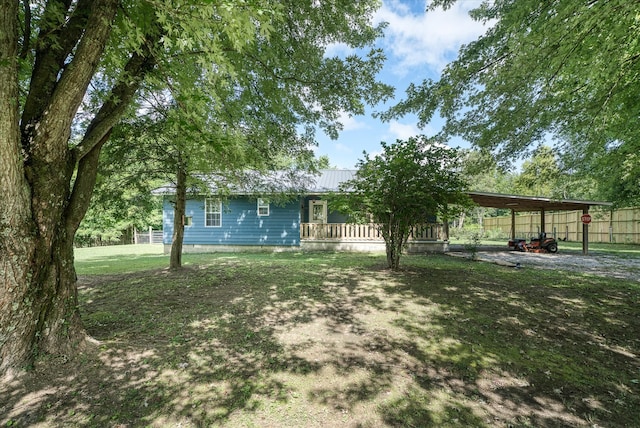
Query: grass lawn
{"type": "Point", "coordinates": [303, 340]}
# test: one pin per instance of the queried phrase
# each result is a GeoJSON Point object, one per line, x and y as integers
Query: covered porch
{"type": "Point", "coordinates": [429, 237]}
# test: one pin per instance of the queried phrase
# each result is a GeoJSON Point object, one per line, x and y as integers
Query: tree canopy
{"type": "Point", "coordinates": [562, 70]}
{"type": "Point", "coordinates": [70, 70]}
{"type": "Point", "coordinates": [406, 185]}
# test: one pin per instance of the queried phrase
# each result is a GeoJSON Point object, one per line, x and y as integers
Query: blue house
{"type": "Point", "coordinates": [244, 222]}
{"type": "Point", "coordinates": [240, 220]}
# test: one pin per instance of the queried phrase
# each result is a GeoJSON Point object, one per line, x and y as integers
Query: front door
{"type": "Point", "coordinates": [317, 211]}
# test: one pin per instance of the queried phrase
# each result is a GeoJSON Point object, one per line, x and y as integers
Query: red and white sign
{"type": "Point", "coordinates": [586, 218]}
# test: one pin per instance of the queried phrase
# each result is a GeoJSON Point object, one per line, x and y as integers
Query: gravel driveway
{"type": "Point", "coordinates": [600, 264]}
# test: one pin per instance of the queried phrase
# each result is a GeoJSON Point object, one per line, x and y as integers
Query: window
{"type": "Point", "coordinates": [188, 221]}
{"type": "Point", "coordinates": [263, 207]}
{"type": "Point", "coordinates": [212, 213]}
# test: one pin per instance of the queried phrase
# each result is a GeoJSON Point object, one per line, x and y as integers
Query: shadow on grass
{"type": "Point", "coordinates": [336, 340]}
{"type": "Point", "coordinates": [534, 349]}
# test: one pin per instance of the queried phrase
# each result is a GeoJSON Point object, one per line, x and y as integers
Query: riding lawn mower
{"type": "Point", "coordinates": [541, 244]}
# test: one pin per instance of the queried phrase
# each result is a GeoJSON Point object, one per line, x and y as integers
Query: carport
{"type": "Point", "coordinates": [517, 203]}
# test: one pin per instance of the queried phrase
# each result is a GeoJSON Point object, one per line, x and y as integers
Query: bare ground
{"type": "Point", "coordinates": [599, 264]}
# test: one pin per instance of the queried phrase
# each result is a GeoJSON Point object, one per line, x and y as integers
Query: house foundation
{"type": "Point", "coordinates": [365, 246]}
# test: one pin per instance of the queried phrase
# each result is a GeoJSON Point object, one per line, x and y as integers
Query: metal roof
{"type": "Point", "coordinates": [329, 180]}
{"type": "Point", "coordinates": [530, 203]}
{"type": "Point", "coordinates": [324, 181]}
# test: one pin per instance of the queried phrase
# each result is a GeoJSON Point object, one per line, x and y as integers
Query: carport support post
{"type": "Point", "coordinates": [513, 224]}
{"type": "Point", "coordinates": [585, 234]}
{"type": "Point", "coordinates": [542, 221]}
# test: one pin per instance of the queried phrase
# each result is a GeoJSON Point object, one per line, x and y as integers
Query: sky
{"type": "Point", "coordinates": [418, 45]}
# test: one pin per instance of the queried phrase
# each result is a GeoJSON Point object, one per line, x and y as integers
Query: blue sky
{"type": "Point", "coordinates": [418, 45]}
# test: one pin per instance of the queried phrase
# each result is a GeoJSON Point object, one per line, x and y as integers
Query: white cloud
{"type": "Point", "coordinates": [350, 123]}
{"type": "Point", "coordinates": [375, 154]}
{"type": "Point", "coordinates": [418, 38]}
{"type": "Point", "coordinates": [339, 147]}
{"type": "Point", "coordinates": [338, 49]}
{"type": "Point", "coordinates": [402, 131]}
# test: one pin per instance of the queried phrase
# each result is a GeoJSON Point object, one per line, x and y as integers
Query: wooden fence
{"type": "Point", "coordinates": [619, 226]}
{"type": "Point", "coordinates": [362, 232]}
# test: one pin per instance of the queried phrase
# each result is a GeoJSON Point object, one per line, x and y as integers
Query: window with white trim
{"type": "Point", "coordinates": [188, 221]}
{"type": "Point", "coordinates": [212, 213]}
{"type": "Point", "coordinates": [263, 207]}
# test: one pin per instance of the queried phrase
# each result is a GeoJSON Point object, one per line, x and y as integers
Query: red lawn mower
{"type": "Point", "coordinates": [541, 244]}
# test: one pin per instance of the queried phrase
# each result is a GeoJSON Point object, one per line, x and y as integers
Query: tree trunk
{"type": "Point", "coordinates": [175, 260]}
{"type": "Point", "coordinates": [461, 220]}
{"type": "Point", "coordinates": [46, 185]}
{"type": "Point", "coordinates": [395, 238]}
{"type": "Point", "coordinates": [393, 256]}
{"type": "Point", "coordinates": [39, 296]}
{"type": "Point", "coordinates": [43, 315]}
{"type": "Point", "coordinates": [40, 300]}
{"type": "Point", "coordinates": [17, 246]}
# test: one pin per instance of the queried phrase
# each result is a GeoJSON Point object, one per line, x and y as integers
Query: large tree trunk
{"type": "Point", "coordinates": [17, 246]}
{"type": "Point", "coordinates": [45, 184]}
{"type": "Point", "coordinates": [39, 312]}
{"type": "Point", "coordinates": [175, 260]}
{"type": "Point", "coordinates": [40, 309]}
{"type": "Point", "coordinates": [58, 329]}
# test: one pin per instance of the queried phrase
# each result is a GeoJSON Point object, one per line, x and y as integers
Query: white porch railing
{"type": "Point", "coordinates": [362, 232]}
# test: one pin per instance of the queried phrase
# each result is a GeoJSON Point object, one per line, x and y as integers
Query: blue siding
{"type": "Point", "coordinates": [241, 224]}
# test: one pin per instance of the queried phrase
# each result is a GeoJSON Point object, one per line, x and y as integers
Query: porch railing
{"type": "Point", "coordinates": [362, 232]}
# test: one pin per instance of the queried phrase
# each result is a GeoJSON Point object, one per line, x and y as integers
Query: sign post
{"type": "Point", "coordinates": [586, 219]}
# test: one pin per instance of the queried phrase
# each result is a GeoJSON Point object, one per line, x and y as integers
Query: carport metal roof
{"type": "Point", "coordinates": [530, 203]}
